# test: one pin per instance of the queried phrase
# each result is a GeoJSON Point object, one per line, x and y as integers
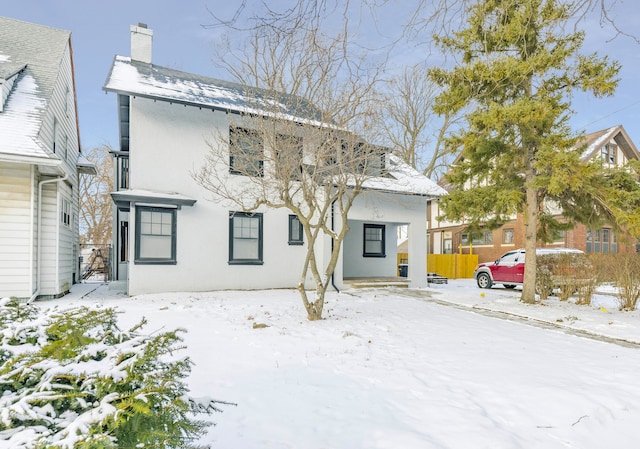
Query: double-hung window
{"type": "Point", "coordinates": [246, 152]}
{"type": "Point", "coordinates": [374, 240]}
{"type": "Point", "coordinates": [155, 235]}
{"type": "Point", "coordinates": [295, 231]}
{"type": "Point", "coordinates": [289, 158]}
{"type": "Point", "coordinates": [245, 238]}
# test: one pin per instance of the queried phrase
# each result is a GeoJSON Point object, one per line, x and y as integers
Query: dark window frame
{"type": "Point", "coordinates": [506, 232]}
{"type": "Point", "coordinates": [283, 155]}
{"type": "Point", "coordinates": [171, 260]}
{"type": "Point", "coordinates": [293, 219]}
{"type": "Point", "coordinates": [382, 240]}
{"type": "Point", "coordinates": [242, 156]}
{"type": "Point", "coordinates": [260, 259]}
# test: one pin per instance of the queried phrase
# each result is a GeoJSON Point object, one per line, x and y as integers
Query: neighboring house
{"type": "Point", "coordinates": [39, 161]}
{"type": "Point", "coordinates": [170, 236]}
{"type": "Point", "coordinates": [613, 146]}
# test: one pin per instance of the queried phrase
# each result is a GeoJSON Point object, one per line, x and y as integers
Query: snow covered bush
{"type": "Point", "coordinates": [73, 379]}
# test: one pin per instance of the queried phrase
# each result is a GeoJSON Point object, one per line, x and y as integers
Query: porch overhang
{"type": "Point", "coordinates": [125, 198]}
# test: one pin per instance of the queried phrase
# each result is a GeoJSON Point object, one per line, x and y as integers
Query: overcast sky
{"type": "Point", "coordinates": [100, 30]}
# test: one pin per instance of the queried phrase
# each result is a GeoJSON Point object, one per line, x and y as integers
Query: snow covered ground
{"type": "Point", "coordinates": [440, 367]}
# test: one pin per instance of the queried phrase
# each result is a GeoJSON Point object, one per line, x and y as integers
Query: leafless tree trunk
{"type": "Point", "coordinates": [95, 199]}
{"type": "Point", "coordinates": [306, 150]}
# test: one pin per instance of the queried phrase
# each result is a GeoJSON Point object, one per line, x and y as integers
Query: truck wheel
{"type": "Point", "coordinates": [484, 280]}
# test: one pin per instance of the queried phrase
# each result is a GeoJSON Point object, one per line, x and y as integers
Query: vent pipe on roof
{"type": "Point", "coordinates": [141, 40]}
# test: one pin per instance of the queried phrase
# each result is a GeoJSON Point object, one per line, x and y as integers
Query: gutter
{"type": "Point", "coordinates": [39, 244]}
{"type": "Point", "coordinates": [333, 282]}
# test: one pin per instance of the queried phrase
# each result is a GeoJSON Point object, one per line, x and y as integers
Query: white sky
{"type": "Point", "coordinates": [100, 30]}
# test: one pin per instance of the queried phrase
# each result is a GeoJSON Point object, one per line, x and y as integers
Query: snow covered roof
{"type": "Point", "coordinates": [123, 198]}
{"type": "Point", "coordinates": [402, 178]}
{"type": "Point", "coordinates": [136, 78]}
{"type": "Point", "coordinates": [594, 142]}
{"type": "Point", "coordinates": [30, 59]}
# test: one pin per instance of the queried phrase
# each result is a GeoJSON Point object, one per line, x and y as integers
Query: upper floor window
{"type": "Point", "coordinates": [55, 135]}
{"type": "Point", "coordinates": [246, 152]}
{"type": "Point", "coordinates": [245, 238]}
{"type": "Point", "coordinates": [374, 240]}
{"type": "Point", "coordinates": [155, 235]}
{"type": "Point", "coordinates": [609, 154]}
{"type": "Point", "coordinates": [295, 231]}
{"type": "Point", "coordinates": [67, 102]}
{"type": "Point", "coordinates": [289, 157]}
{"type": "Point", "coordinates": [64, 147]}
{"type": "Point", "coordinates": [507, 236]}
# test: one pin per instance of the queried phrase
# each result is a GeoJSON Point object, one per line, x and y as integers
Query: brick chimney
{"type": "Point", "coordinates": [141, 40]}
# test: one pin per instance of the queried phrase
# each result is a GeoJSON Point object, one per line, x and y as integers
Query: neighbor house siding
{"type": "Point", "coordinates": [60, 258]}
{"type": "Point", "coordinates": [15, 227]}
{"type": "Point", "coordinates": [48, 235]}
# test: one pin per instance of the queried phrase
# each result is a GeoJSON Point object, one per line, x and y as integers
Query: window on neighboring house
{"type": "Point", "coordinates": [55, 135]}
{"type": "Point", "coordinates": [609, 153]}
{"type": "Point", "coordinates": [374, 240]}
{"type": "Point", "coordinates": [67, 102]}
{"type": "Point", "coordinates": [507, 236]}
{"type": "Point", "coordinates": [245, 238]}
{"type": "Point", "coordinates": [295, 231]}
{"type": "Point", "coordinates": [246, 152]}
{"type": "Point", "coordinates": [65, 212]}
{"type": "Point", "coordinates": [601, 241]}
{"type": "Point", "coordinates": [558, 235]}
{"type": "Point", "coordinates": [64, 146]}
{"type": "Point", "coordinates": [155, 235]}
{"type": "Point", "coordinates": [289, 157]}
{"type": "Point", "coordinates": [485, 238]}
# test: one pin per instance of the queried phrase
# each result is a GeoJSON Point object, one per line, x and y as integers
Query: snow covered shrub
{"type": "Point", "coordinates": [73, 379]}
{"type": "Point", "coordinates": [627, 279]}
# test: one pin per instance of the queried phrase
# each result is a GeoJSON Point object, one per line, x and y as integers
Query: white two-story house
{"type": "Point", "coordinates": [40, 162]}
{"type": "Point", "coordinates": [171, 235]}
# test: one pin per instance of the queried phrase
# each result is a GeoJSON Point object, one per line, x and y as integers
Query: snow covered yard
{"type": "Point", "coordinates": [401, 369]}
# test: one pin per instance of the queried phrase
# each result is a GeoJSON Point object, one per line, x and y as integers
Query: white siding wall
{"type": "Point", "coordinates": [15, 226]}
{"type": "Point", "coordinates": [49, 240]}
{"type": "Point", "coordinates": [59, 241]}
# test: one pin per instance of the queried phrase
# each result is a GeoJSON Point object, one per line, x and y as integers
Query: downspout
{"type": "Point", "coordinates": [333, 282]}
{"type": "Point", "coordinates": [39, 249]}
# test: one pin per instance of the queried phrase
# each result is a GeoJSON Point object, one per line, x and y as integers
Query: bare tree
{"type": "Point", "coordinates": [409, 125]}
{"type": "Point", "coordinates": [305, 150]}
{"type": "Point", "coordinates": [95, 199]}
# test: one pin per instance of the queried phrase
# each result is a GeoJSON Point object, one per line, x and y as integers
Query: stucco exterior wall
{"type": "Point", "coordinates": [169, 142]}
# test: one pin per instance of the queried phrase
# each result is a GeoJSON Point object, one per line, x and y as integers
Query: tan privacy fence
{"type": "Point", "coordinates": [452, 266]}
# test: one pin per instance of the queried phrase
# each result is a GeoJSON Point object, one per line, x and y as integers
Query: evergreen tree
{"type": "Point", "coordinates": [73, 379]}
{"type": "Point", "coordinates": [517, 70]}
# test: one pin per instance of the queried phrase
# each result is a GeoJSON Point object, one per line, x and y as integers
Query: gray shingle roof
{"type": "Point", "coordinates": [147, 80]}
{"type": "Point", "coordinates": [32, 54]}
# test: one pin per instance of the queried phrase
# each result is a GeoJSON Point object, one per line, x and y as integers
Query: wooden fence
{"type": "Point", "coordinates": [452, 266]}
